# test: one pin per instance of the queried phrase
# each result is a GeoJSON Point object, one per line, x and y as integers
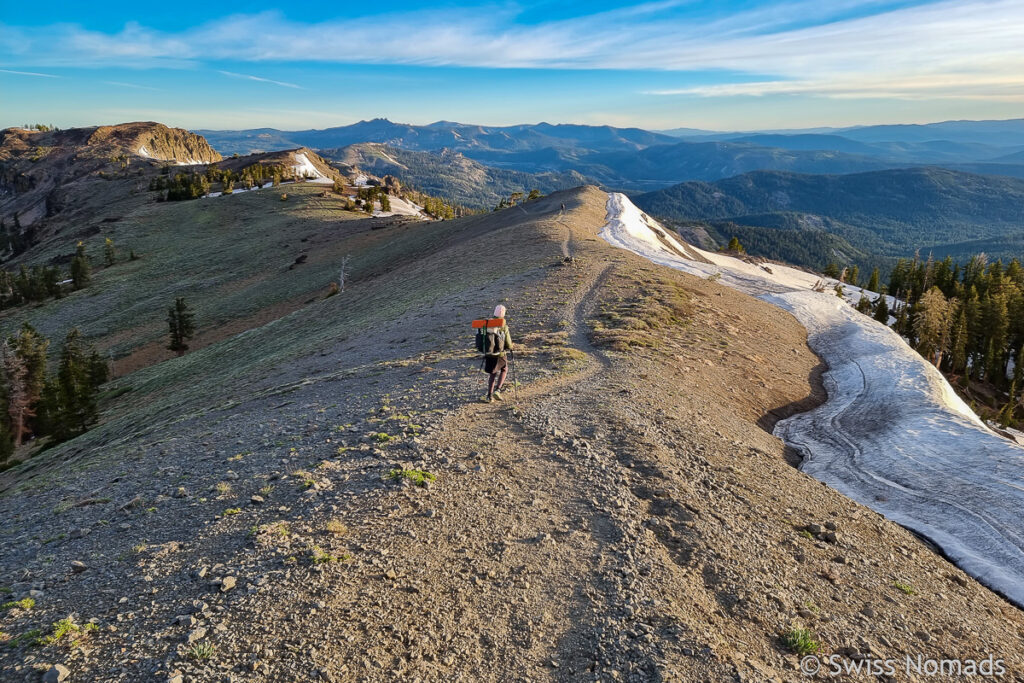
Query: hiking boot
{"type": "Point", "coordinates": [487, 399]}
{"type": "Point", "coordinates": [498, 396]}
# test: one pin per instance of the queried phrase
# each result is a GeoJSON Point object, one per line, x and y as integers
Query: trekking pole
{"type": "Point", "coordinates": [515, 384]}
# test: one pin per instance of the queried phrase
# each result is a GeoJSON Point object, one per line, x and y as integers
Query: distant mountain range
{"type": "Point", "coordinates": [440, 135]}
{"type": "Point", "coordinates": [635, 159]}
{"type": "Point", "coordinates": [997, 133]}
{"type": "Point", "coordinates": [885, 213]}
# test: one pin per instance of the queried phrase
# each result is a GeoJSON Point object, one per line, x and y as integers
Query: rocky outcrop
{"type": "Point", "coordinates": [156, 141]}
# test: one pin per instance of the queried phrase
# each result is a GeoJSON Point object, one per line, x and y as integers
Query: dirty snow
{"type": "Point", "coordinates": [892, 434]}
{"type": "Point", "coordinates": [304, 168]}
{"type": "Point", "coordinates": [239, 190]}
{"type": "Point", "coordinates": [402, 207]}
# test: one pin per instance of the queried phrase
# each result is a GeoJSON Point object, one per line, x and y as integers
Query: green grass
{"type": "Point", "coordinates": [418, 477]}
{"type": "Point", "coordinates": [904, 587]}
{"type": "Point", "coordinates": [31, 637]}
{"type": "Point", "coordinates": [232, 511]}
{"type": "Point", "coordinates": [801, 641]}
{"type": "Point", "coordinates": [66, 629]}
{"type": "Point", "coordinates": [24, 603]}
{"type": "Point", "coordinates": [320, 556]}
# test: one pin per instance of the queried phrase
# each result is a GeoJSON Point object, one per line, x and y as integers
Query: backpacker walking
{"type": "Point", "coordinates": [494, 340]}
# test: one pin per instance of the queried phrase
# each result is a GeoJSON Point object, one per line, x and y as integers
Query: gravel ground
{"type": "Point", "coordinates": [627, 517]}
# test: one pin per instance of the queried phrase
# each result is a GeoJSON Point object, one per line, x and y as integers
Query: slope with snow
{"type": "Point", "coordinates": [304, 168]}
{"type": "Point", "coordinates": [402, 207]}
{"type": "Point", "coordinates": [892, 434]}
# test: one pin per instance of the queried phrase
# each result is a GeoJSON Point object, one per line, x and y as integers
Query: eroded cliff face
{"type": "Point", "coordinates": [157, 141]}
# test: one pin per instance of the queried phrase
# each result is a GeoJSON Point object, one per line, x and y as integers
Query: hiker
{"type": "Point", "coordinates": [495, 363]}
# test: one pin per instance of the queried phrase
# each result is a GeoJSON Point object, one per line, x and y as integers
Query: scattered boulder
{"type": "Point", "coordinates": [56, 674]}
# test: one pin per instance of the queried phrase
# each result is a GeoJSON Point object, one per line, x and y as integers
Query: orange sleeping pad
{"type": "Point", "coordinates": [489, 322]}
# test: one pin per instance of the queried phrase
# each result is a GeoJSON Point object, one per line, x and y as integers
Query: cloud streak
{"type": "Point", "coordinates": [134, 86]}
{"type": "Point", "coordinates": [27, 73]}
{"type": "Point", "coordinates": [847, 48]}
{"type": "Point", "coordinates": [283, 84]}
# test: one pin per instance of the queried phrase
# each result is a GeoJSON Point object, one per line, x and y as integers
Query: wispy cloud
{"type": "Point", "coordinates": [840, 48]}
{"type": "Point", "coordinates": [232, 74]}
{"type": "Point", "coordinates": [134, 86]}
{"type": "Point", "coordinates": [28, 73]}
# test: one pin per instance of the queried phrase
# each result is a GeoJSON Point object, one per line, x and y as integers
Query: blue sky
{"type": "Point", "coordinates": [714, 64]}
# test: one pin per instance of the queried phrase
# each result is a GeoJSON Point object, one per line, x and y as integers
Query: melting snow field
{"type": "Point", "coordinates": [304, 168]}
{"type": "Point", "coordinates": [892, 434]}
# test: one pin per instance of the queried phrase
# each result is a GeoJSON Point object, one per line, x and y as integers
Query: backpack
{"type": "Point", "coordinates": [490, 339]}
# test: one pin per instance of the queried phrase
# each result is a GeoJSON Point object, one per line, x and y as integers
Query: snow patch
{"type": "Point", "coordinates": [143, 152]}
{"type": "Point", "coordinates": [892, 435]}
{"type": "Point", "coordinates": [304, 168]}
{"type": "Point", "coordinates": [402, 207]}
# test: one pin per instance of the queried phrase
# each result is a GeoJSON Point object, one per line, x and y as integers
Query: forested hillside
{"type": "Point", "coordinates": [886, 214]}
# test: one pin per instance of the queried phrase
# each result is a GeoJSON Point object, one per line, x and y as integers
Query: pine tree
{"type": "Point", "coordinates": [864, 304]}
{"type": "Point", "coordinates": [75, 386]}
{"type": "Point", "coordinates": [109, 252]}
{"type": "Point", "coordinates": [31, 349]}
{"type": "Point", "coordinates": [996, 325]}
{"type": "Point", "coordinates": [385, 202]}
{"type": "Point", "coordinates": [958, 341]}
{"type": "Point", "coordinates": [931, 325]}
{"type": "Point", "coordinates": [853, 275]}
{"type": "Point", "coordinates": [181, 322]}
{"type": "Point", "coordinates": [881, 313]}
{"type": "Point", "coordinates": [873, 281]}
{"type": "Point", "coordinates": [81, 271]}
{"type": "Point", "coordinates": [734, 245]}
{"type": "Point", "coordinates": [832, 270]}
{"type": "Point", "coordinates": [19, 407]}
{"type": "Point", "coordinates": [1005, 416]}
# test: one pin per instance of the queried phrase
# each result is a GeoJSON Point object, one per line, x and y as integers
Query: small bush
{"type": "Point", "coordinates": [65, 628]}
{"type": "Point", "coordinates": [318, 556]}
{"type": "Point", "coordinates": [232, 511]}
{"type": "Point", "coordinates": [801, 641]}
{"type": "Point", "coordinates": [905, 587]}
{"type": "Point", "coordinates": [202, 651]}
{"type": "Point", "coordinates": [336, 527]}
{"type": "Point", "coordinates": [418, 477]}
